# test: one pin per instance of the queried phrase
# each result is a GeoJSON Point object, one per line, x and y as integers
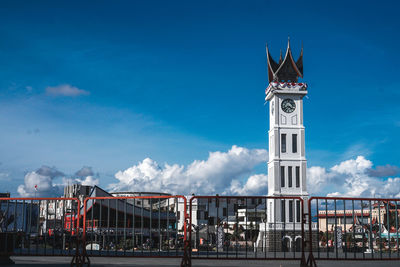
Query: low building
{"type": "Point", "coordinates": [112, 220]}
{"type": "Point", "coordinates": [76, 191]}
{"type": "Point", "coordinates": [384, 210]}
{"type": "Point", "coordinates": [144, 202]}
{"type": "Point", "coordinates": [327, 221]}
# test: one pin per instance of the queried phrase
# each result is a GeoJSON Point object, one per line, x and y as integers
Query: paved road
{"type": "Point", "coordinates": [110, 261]}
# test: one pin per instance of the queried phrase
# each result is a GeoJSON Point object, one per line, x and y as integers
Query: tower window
{"type": "Point", "coordinates": [282, 176]}
{"type": "Point", "coordinates": [283, 143]}
{"type": "Point", "coordinates": [283, 210]}
{"type": "Point", "coordinates": [297, 176]}
{"type": "Point", "coordinates": [290, 210]}
{"type": "Point", "coordinates": [290, 176]}
{"type": "Point", "coordinates": [294, 143]}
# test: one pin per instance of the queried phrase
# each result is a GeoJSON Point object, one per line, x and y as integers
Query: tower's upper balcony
{"type": "Point", "coordinates": [285, 88]}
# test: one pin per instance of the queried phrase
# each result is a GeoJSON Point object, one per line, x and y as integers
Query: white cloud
{"type": "Point", "coordinates": [89, 180]}
{"type": "Point", "coordinates": [256, 185]}
{"type": "Point", "coordinates": [223, 173]}
{"type": "Point", "coordinates": [353, 178]}
{"type": "Point", "coordinates": [84, 171]}
{"type": "Point", "coordinates": [44, 179]}
{"type": "Point", "coordinates": [317, 178]}
{"type": "Point", "coordinates": [65, 90]}
{"type": "Point", "coordinates": [353, 167]}
{"type": "Point", "coordinates": [210, 176]}
{"type": "Point", "coordinates": [392, 187]}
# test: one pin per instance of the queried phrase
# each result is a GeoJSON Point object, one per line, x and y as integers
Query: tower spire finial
{"type": "Point", "coordinates": [287, 69]}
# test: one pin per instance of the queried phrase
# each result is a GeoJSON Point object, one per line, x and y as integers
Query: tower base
{"type": "Point", "coordinates": [285, 240]}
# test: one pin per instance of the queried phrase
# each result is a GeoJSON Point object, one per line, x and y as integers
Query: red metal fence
{"type": "Point", "coordinates": [214, 227]}
{"type": "Point", "coordinates": [40, 227]}
{"type": "Point", "coordinates": [135, 226]}
{"type": "Point", "coordinates": [246, 227]}
{"type": "Point", "coordinates": [353, 228]}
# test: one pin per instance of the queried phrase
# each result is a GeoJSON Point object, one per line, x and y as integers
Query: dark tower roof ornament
{"type": "Point", "coordinates": [287, 70]}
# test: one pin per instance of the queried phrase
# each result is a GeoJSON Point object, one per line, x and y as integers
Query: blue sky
{"type": "Point", "coordinates": [176, 80]}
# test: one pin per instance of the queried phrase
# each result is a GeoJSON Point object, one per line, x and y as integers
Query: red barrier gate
{"type": "Point", "coordinates": [40, 227]}
{"type": "Point", "coordinates": [135, 226]}
{"type": "Point", "coordinates": [353, 229]}
{"type": "Point", "coordinates": [220, 227]}
{"type": "Point", "coordinates": [246, 227]}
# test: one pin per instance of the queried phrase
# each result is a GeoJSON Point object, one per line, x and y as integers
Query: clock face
{"type": "Point", "coordinates": [288, 105]}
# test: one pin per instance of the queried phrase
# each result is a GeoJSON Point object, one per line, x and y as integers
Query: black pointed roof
{"type": "Point", "coordinates": [287, 70]}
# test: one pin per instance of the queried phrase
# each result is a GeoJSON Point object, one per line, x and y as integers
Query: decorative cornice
{"type": "Point", "coordinates": [286, 86]}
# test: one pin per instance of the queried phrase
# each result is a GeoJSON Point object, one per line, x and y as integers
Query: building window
{"type": "Point", "coordinates": [283, 143]}
{"type": "Point", "coordinates": [349, 220]}
{"type": "Point", "coordinates": [297, 210]}
{"type": "Point", "coordinates": [333, 220]}
{"type": "Point", "coordinates": [294, 143]}
{"type": "Point", "coordinates": [297, 176]}
{"type": "Point", "coordinates": [290, 210]}
{"type": "Point", "coordinates": [282, 176]}
{"type": "Point", "coordinates": [290, 176]}
{"type": "Point", "coordinates": [283, 211]}
{"type": "Point", "coordinates": [224, 212]}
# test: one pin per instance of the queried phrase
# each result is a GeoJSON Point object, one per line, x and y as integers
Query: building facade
{"type": "Point", "coordinates": [329, 220]}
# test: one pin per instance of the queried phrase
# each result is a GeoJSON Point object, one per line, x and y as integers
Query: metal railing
{"type": "Point", "coordinates": [213, 227]}
{"type": "Point", "coordinates": [354, 228]}
{"type": "Point", "coordinates": [40, 227]}
{"type": "Point", "coordinates": [134, 226]}
{"type": "Point", "coordinates": [246, 227]}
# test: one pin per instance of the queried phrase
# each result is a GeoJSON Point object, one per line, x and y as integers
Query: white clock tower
{"type": "Point", "coordinates": [287, 160]}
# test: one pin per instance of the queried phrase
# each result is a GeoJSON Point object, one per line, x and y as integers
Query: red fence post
{"type": "Point", "coordinates": [81, 258]}
{"type": "Point", "coordinates": [187, 252]}
{"type": "Point", "coordinates": [311, 260]}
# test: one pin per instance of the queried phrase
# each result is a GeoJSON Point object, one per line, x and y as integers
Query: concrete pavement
{"type": "Point", "coordinates": [149, 262]}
